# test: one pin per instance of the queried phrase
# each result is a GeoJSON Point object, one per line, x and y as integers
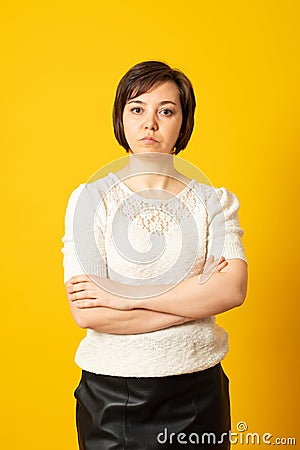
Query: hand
{"type": "Point", "coordinates": [221, 264]}
{"type": "Point", "coordinates": [210, 267]}
{"type": "Point", "coordinates": [86, 292]}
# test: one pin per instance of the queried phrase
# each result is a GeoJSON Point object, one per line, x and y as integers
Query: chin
{"type": "Point", "coordinates": [149, 153]}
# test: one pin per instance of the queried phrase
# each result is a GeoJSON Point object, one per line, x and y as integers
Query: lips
{"type": "Point", "coordinates": [148, 139]}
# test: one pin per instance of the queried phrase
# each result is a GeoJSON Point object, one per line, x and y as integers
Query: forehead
{"type": "Point", "coordinates": [166, 90]}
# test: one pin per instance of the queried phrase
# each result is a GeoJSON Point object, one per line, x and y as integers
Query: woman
{"type": "Point", "coordinates": [136, 243]}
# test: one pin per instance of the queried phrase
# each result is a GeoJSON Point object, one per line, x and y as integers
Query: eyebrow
{"type": "Point", "coordinates": [164, 102]}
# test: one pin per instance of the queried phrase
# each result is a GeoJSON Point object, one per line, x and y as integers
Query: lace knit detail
{"type": "Point", "coordinates": [154, 215]}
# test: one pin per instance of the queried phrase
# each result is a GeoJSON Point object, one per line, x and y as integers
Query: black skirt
{"type": "Point", "coordinates": [187, 411]}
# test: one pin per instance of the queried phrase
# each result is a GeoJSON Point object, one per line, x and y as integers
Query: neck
{"type": "Point", "coordinates": [152, 170]}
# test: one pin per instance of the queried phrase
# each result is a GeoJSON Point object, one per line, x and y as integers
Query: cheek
{"type": "Point", "coordinates": [176, 127]}
{"type": "Point", "coordinates": [177, 123]}
{"type": "Point", "coordinates": [129, 123]}
{"type": "Point", "coordinates": [127, 127]}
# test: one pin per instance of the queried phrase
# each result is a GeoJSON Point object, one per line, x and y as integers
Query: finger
{"type": "Point", "coordinates": [90, 303]}
{"type": "Point", "coordinates": [79, 279]}
{"type": "Point", "coordinates": [212, 264]}
{"type": "Point", "coordinates": [216, 266]}
{"type": "Point", "coordinates": [69, 285]}
{"type": "Point", "coordinates": [81, 295]}
{"type": "Point", "coordinates": [222, 266]}
{"type": "Point", "coordinates": [220, 260]}
{"type": "Point", "coordinates": [82, 285]}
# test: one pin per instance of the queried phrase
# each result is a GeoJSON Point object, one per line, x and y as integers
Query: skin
{"type": "Point", "coordinates": [156, 114]}
{"type": "Point", "coordinates": [95, 307]}
{"type": "Point", "coordinates": [93, 303]}
{"type": "Point", "coordinates": [188, 301]}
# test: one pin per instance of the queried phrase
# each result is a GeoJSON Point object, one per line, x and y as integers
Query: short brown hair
{"type": "Point", "coordinates": [140, 79]}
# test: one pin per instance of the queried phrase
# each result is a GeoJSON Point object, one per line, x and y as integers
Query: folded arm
{"type": "Point", "coordinates": [187, 301]}
{"type": "Point", "coordinates": [224, 290]}
{"type": "Point", "coordinates": [113, 321]}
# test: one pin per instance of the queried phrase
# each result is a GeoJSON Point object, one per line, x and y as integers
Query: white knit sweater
{"type": "Point", "coordinates": [112, 232]}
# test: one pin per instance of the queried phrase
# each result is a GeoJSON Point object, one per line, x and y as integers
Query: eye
{"type": "Point", "coordinates": [166, 112]}
{"type": "Point", "coordinates": [136, 110]}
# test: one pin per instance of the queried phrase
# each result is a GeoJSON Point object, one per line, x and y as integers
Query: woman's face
{"type": "Point", "coordinates": [152, 121]}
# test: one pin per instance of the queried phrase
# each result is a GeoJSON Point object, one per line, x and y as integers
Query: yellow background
{"type": "Point", "coordinates": [61, 62]}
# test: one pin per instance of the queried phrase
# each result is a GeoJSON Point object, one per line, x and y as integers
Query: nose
{"type": "Point", "coordinates": [151, 123]}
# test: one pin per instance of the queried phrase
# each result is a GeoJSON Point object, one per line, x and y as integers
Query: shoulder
{"type": "Point", "coordinates": [218, 201]}
{"type": "Point", "coordinates": [93, 191]}
{"type": "Point", "coordinates": [103, 184]}
{"type": "Point", "coordinates": [220, 194]}
{"type": "Point", "coordinates": [211, 190]}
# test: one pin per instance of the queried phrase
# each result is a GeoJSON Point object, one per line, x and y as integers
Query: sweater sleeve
{"type": "Point", "coordinates": [224, 231]}
{"type": "Point", "coordinates": [84, 249]}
